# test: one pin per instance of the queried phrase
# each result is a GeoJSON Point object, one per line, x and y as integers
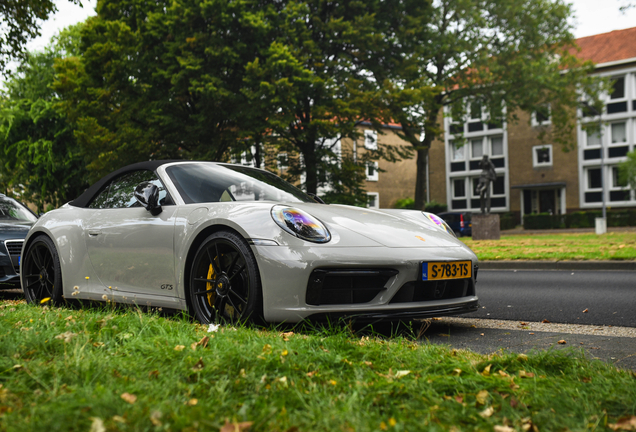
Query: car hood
{"type": "Point", "coordinates": [405, 228]}
{"type": "Point", "coordinates": [11, 230]}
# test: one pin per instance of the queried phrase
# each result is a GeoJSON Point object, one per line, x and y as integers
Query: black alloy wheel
{"type": "Point", "coordinates": [224, 281]}
{"type": "Point", "coordinates": [41, 272]}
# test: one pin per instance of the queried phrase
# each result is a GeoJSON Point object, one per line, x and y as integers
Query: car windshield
{"type": "Point", "coordinates": [207, 182]}
{"type": "Point", "coordinates": [12, 211]}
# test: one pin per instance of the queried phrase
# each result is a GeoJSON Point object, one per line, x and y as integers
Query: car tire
{"type": "Point", "coordinates": [41, 273]}
{"type": "Point", "coordinates": [225, 284]}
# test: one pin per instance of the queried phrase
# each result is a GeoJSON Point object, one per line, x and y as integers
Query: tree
{"type": "Point", "coordinates": [20, 22]}
{"type": "Point", "coordinates": [507, 55]}
{"type": "Point", "coordinates": [40, 157]}
{"type": "Point", "coordinates": [163, 80]}
{"type": "Point", "coordinates": [310, 91]}
{"type": "Point", "coordinates": [202, 80]}
{"type": "Point", "coordinates": [627, 170]}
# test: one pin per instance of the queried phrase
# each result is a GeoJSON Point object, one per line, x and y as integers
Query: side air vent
{"type": "Point", "coordinates": [14, 247]}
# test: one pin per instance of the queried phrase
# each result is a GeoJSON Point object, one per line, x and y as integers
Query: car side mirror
{"type": "Point", "coordinates": [147, 194]}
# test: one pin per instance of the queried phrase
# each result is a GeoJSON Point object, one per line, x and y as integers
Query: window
{"type": "Point", "coordinates": [119, 193]}
{"type": "Point", "coordinates": [372, 171]}
{"type": "Point", "coordinates": [496, 146]}
{"type": "Point", "coordinates": [282, 161]}
{"type": "Point", "coordinates": [459, 188]}
{"type": "Point", "coordinates": [457, 152]}
{"type": "Point", "coordinates": [475, 110]}
{"type": "Point", "coordinates": [616, 179]}
{"type": "Point", "coordinates": [541, 116]}
{"type": "Point", "coordinates": [370, 140]}
{"type": "Point", "coordinates": [619, 132]}
{"type": "Point", "coordinates": [498, 186]}
{"type": "Point", "coordinates": [618, 88]}
{"type": "Point", "coordinates": [477, 148]}
{"type": "Point", "coordinates": [594, 178]}
{"type": "Point", "coordinates": [542, 155]}
{"type": "Point", "coordinates": [373, 200]}
{"type": "Point", "coordinates": [593, 139]}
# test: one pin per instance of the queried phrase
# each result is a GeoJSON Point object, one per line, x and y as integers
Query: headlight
{"type": "Point", "coordinates": [440, 223]}
{"type": "Point", "coordinates": [300, 224]}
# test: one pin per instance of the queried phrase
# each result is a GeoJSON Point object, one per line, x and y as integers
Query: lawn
{"type": "Point", "coordinates": [557, 247]}
{"type": "Point", "coordinates": [102, 369]}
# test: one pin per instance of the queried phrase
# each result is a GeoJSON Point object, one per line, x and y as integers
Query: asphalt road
{"type": "Point", "coordinates": [558, 296]}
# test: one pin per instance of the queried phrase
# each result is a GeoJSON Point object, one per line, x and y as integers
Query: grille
{"type": "Point", "coordinates": [14, 247]}
{"type": "Point", "coordinates": [417, 291]}
{"type": "Point", "coordinates": [346, 286]}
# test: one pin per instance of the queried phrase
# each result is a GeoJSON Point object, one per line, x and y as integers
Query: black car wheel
{"type": "Point", "coordinates": [41, 272]}
{"type": "Point", "coordinates": [224, 280]}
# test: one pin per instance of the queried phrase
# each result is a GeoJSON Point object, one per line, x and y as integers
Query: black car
{"type": "Point", "coordinates": [15, 221]}
{"type": "Point", "coordinates": [459, 222]}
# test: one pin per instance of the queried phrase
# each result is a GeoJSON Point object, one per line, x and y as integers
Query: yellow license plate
{"type": "Point", "coordinates": [446, 270]}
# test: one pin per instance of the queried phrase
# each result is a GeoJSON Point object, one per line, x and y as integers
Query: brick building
{"type": "Point", "coordinates": [536, 177]}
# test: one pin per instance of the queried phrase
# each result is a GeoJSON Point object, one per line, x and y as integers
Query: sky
{"type": "Point", "coordinates": [591, 17]}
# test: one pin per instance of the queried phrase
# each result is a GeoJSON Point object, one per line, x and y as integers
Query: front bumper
{"type": "Point", "coordinates": [285, 277]}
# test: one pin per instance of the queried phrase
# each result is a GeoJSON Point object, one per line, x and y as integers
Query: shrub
{"type": "Point", "coordinates": [405, 203]}
{"type": "Point", "coordinates": [507, 221]}
{"type": "Point", "coordinates": [435, 207]}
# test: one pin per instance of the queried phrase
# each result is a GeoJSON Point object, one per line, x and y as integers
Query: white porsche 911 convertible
{"type": "Point", "coordinates": [228, 242]}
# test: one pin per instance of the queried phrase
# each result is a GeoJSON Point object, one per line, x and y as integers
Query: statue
{"type": "Point", "coordinates": [487, 176]}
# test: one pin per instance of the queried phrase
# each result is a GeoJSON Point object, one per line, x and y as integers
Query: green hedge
{"type": "Point", "coordinates": [507, 221]}
{"type": "Point", "coordinates": [582, 219]}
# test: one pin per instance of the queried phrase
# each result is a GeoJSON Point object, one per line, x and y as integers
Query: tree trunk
{"type": "Point", "coordinates": [311, 169]}
{"type": "Point", "coordinates": [420, 180]}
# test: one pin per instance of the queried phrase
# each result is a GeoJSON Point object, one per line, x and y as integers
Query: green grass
{"type": "Point", "coordinates": [557, 247]}
{"type": "Point", "coordinates": [67, 369]}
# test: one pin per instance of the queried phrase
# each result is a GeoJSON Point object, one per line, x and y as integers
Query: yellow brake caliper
{"type": "Point", "coordinates": [208, 287]}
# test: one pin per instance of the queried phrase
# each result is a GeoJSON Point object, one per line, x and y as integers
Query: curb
{"type": "Point", "coordinates": [558, 265]}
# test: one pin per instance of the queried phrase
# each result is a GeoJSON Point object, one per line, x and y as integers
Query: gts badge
{"type": "Point", "coordinates": [166, 287]}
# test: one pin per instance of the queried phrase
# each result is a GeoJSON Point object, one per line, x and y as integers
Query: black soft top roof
{"type": "Point", "coordinates": [84, 199]}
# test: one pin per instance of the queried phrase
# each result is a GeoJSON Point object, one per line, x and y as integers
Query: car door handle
{"type": "Point", "coordinates": [94, 233]}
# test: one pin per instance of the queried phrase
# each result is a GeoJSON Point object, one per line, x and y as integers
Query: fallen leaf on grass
{"type": "Point", "coordinates": [179, 347]}
{"type": "Point", "coordinates": [402, 373]}
{"type": "Point", "coordinates": [192, 402]}
{"type": "Point", "coordinates": [456, 372]}
{"type": "Point", "coordinates": [503, 429]}
{"type": "Point", "coordinates": [67, 336]}
{"type": "Point", "coordinates": [487, 412]}
{"type": "Point", "coordinates": [287, 335]}
{"type": "Point", "coordinates": [97, 425]}
{"type": "Point", "coordinates": [202, 343]}
{"type": "Point", "coordinates": [235, 426]}
{"type": "Point", "coordinates": [624, 423]}
{"type": "Point", "coordinates": [524, 374]}
{"type": "Point", "coordinates": [155, 418]}
{"type": "Point", "coordinates": [482, 396]}
{"type": "Point", "coordinates": [199, 365]}
{"type": "Point", "coordinates": [153, 374]}
{"type": "Point", "coordinates": [503, 374]}
{"type": "Point", "coordinates": [130, 398]}
{"type": "Point", "coordinates": [486, 371]}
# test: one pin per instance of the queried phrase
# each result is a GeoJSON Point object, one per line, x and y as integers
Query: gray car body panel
{"type": "Point", "coordinates": [129, 256]}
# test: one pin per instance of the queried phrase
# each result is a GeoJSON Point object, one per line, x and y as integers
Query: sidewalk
{"type": "Point", "coordinates": [558, 265]}
{"type": "Point", "coordinates": [521, 231]}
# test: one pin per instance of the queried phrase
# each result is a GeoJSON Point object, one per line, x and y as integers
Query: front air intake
{"type": "Point", "coordinates": [346, 286]}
